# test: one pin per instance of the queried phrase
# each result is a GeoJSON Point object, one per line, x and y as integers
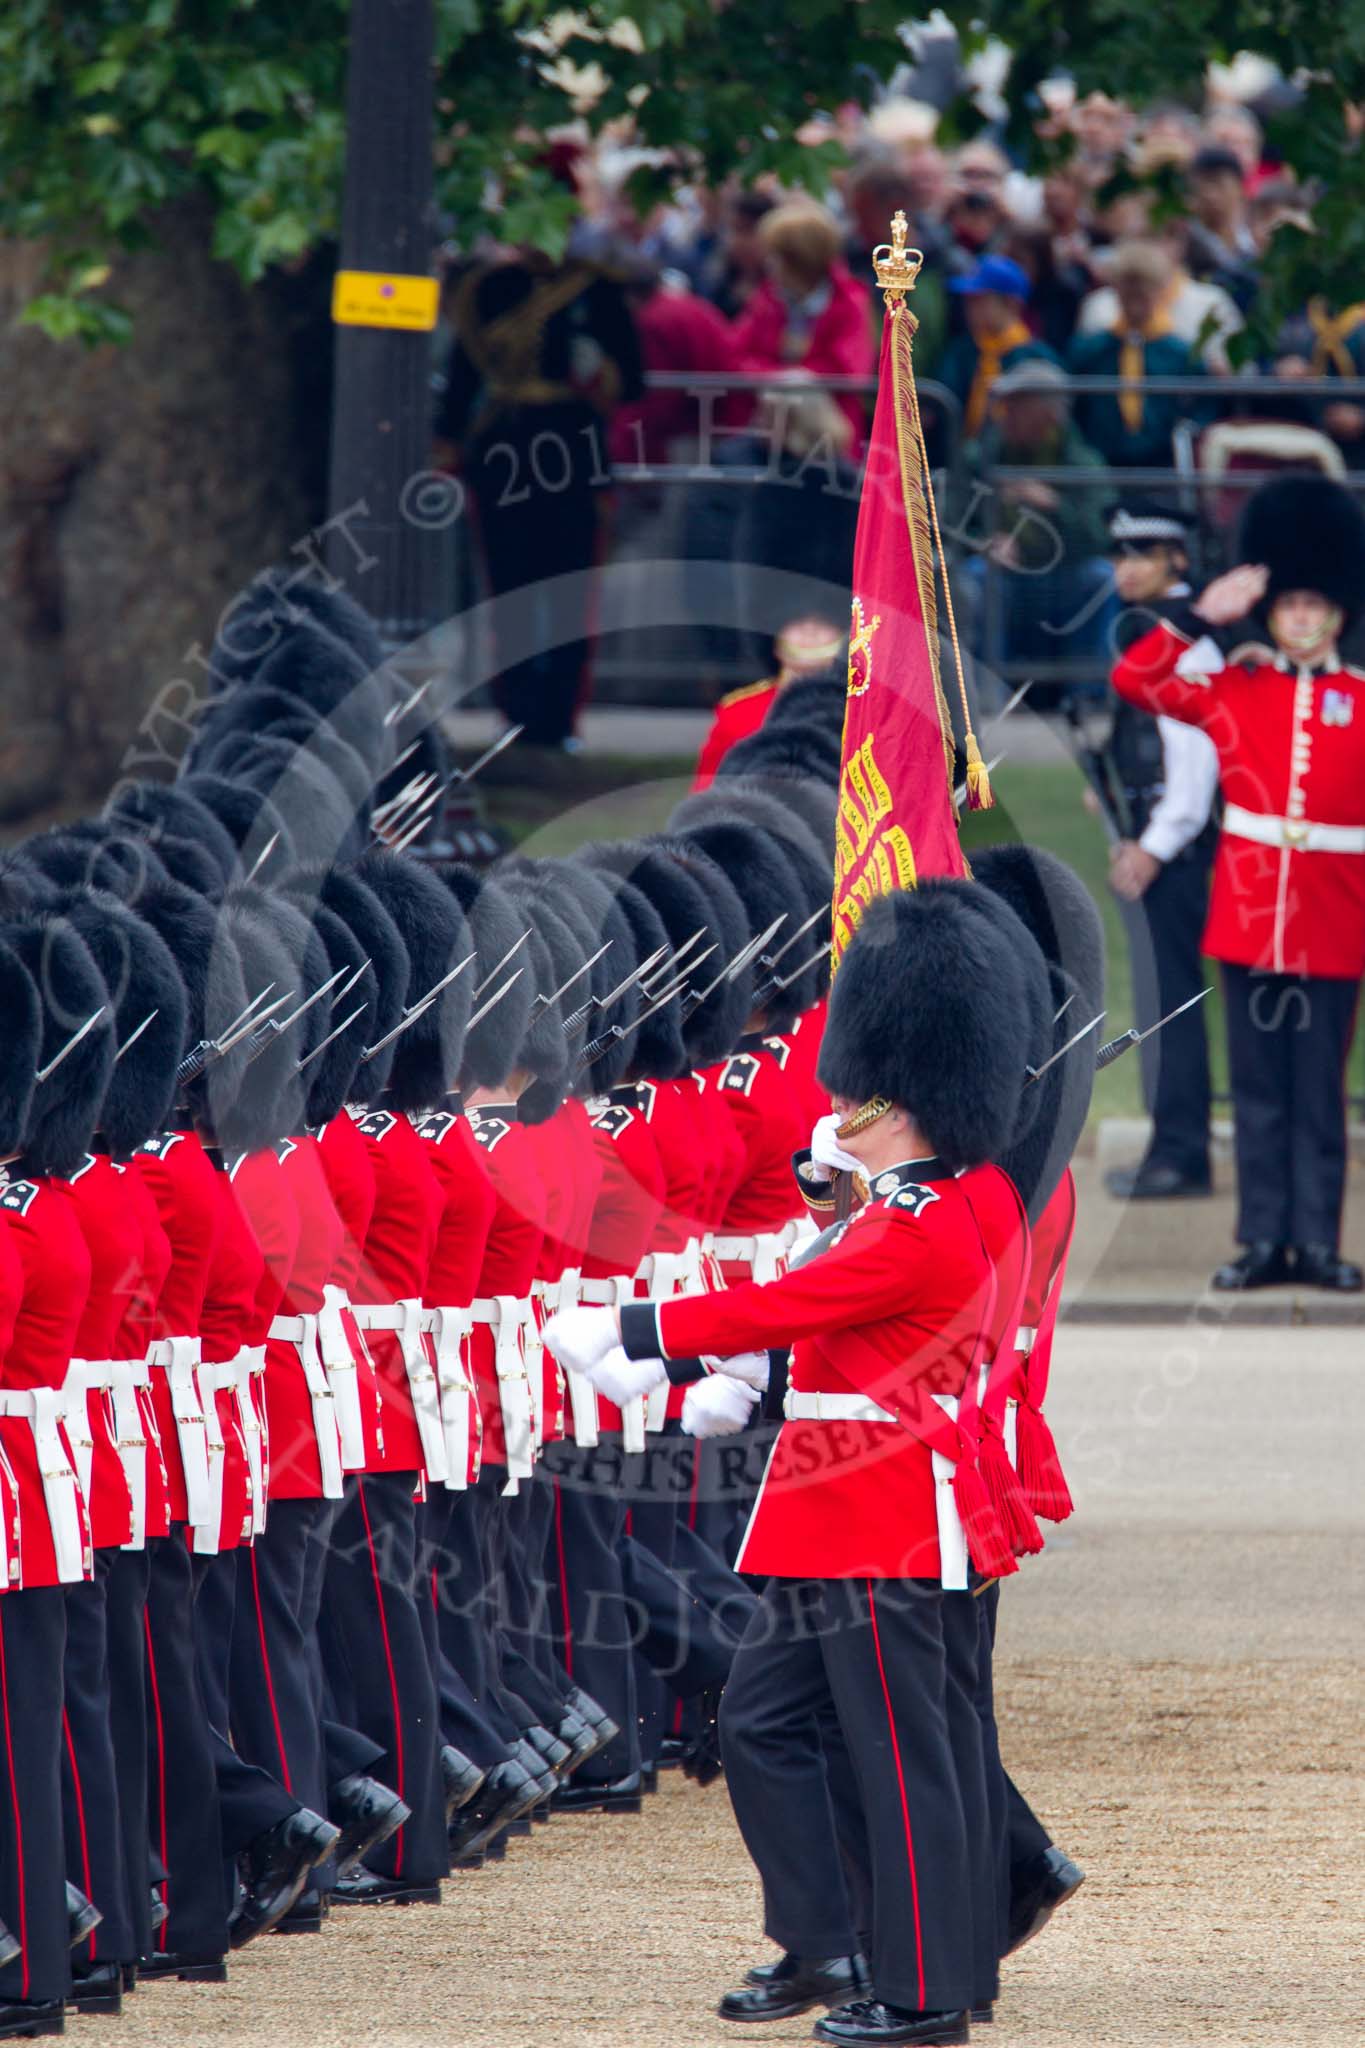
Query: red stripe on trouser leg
{"type": "Point", "coordinates": [269, 1680]}
{"type": "Point", "coordinates": [88, 1884]}
{"type": "Point", "coordinates": [163, 1837]}
{"type": "Point", "coordinates": [22, 1929]}
{"type": "Point", "coordinates": [565, 1614]}
{"type": "Point", "coordinates": [900, 1780]}
{"type": "Point", "coordinates": [393, 1676]}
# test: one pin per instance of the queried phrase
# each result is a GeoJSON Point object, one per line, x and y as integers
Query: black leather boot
{"type": "Point", "coordinates": [793, 1985]}
{"type": "Point", "coordinates": [1261, 1264]}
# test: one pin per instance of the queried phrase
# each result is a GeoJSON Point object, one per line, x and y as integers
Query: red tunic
{"type": "Point", "coordinates": [461, 1236]}
{"type": "Point", "coordinates": [738, 715]}
{"type": "Point", "coordinates": [295, 1470]}
{"type": "Point", "coordinates": [350, 1176]}
{"type": "Point", "coordinates": [629, 1202]}
{"type": "Point", "coordinates": [11, 1294]}
{"type": "Point", "coordinates": [766, 1112]}
{"type": "Point", "coordinates": [804, 1040]}
{"type": "Point", "coordinates": [228, 1323]}
{"type": "Point", "coordinates": [113, 1238]}
{"type": "Point", "coordinates": [1291, 751]}
{"type": "Point", "coordinates": [183, 1184]}
{"type": "Point", "coordinates": [512, 1249]}
{"type": "Point", "coordinates": [397, 1261]}
{"type": "Point", "coordinates": [154, 1263]}
{"type": "Point", "coordinates": [45, 1233]}
{"type": "Point", "coordinates": [896, 1309]}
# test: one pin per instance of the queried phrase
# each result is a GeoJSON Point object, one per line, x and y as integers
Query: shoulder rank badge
{"type": "Point", "coordinates": [377, 1123]}
{"type": "Point", "coordinates": [435, 1125]}
{"type": "Point", "coordinates": [19, 1196]}
{"type": "Point", "coordinates": [912, 1197]}
{"type": "Point", "coordinates": [488, 1131]}
{"type": "Point", "coordinates": [283, 1148]}
{"type": "Point", "coordinates": [648, 1095]}
{"type": "Point", "coordinates": [233, 1163]}
{"type": "Point", "coordinates": [158, 1147]}
{"type": "Point", "coordinates": [1338, 707]}
{"type": "Point", "coordinates": [613, 1118]}
{"type": "Point", "coordinates": [737, 1075]}
{"type": "Point", "coordinates": [779, 1049]}
{"type": "Point", "coordinates": [82, 1169]}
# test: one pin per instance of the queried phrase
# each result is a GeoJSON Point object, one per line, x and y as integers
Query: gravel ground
{"type": "Point", "coordinates": [1181, 1694]}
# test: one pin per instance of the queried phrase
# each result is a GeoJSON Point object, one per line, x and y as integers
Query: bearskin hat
{"type": "Point", "coordinates": [1035, 1040]}
{"type": "Point", "coordinates": [268, 1103]}
{"type": "Point", "coordinates": [682, 908]}
{"type": "Point", "coordinates": [95, 856]}
{"type": "Point", "coordinates": [569, 942]}
{"type": "Point", "coordinates": [329, 1077]}
{"type": "Point", "coordinates": [342, 892]}
{"type": "Point", "coordinates": [274, 605]}
{"type": "Point", "coordinates": [313, 664]}
{"type": "Point", "coordinates": [925, 1009]}
{"type": "Point", "coordinates": [432, 927]}
{"type": "Point", "coordinates": [813, 704]}
{"type": "Point", "coordinates": [252, 821]}
{"type": "Point", "coordinates": [495, 923]}
{"type": "Point", "coordinates": [211, 973]}
{"type": "Point", "coordinates": [1041, 1146]}
{"type": "Point", "coordinates": [815, 803]}
{"type": "Point", "coordinates": [167, 810]}
{"type": "Point", "coordinates": [1309, 532]}
{"type": "Point", "coordinates": [187, 862]}
{"type": "Point", "coordinates": [794, 750]}
{"type": "Point", "coordinates": [715, 1026]}
{"type": "Point", "coordinates": [579, 893]}
{"type": "Point", "coordinates": [143, 981]}
{"type": "Point", "coordinates": [20, 1045]}
{"type": "Point", "coordinates": [761, 869]}
{"type": "Point", "coordinates": [321, 816]}
{"type": "Point", "coordinates": [656, 1049]}
{"type": "Point", "coordinates": [1054, 904]}
{"type": "Point", "coordinates": [64, 1111]}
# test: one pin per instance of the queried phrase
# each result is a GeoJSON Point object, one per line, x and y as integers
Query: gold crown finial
{"type": "Point", "coordinates": [897, 265]}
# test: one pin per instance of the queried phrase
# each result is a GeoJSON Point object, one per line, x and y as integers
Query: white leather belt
{"type": "Point", "coordinates": [126, 1375]}
{"type": "Point", "coordinates": [404, 1318]}
{"type": "Point", "coordinates": [610, 1294]}
{"type": "Point", "coordinates": [41, 1408]}
{"type": "Point", "coordinates": [1300, 835]}
{"type": "Point", "coordinates": [206, 1533]}
{"type": "Point", "coordinates": [249, 1364]}
{"type": "Point", "coordinates": [302, 1332]}
{"type": "Point", "coordinates": [11, 1529]}
{"type": "Point", "coordinates": [83, 1376]}
{"type": "Point", "coordinates": [178, 1358]}
{"type": "Point", "coordinates": [343, 1376]}
{"type": "Point", "coordinates": [558, 1294]}
{"type": "Point", "coordinates": [763, 1254]}
{"type": "Point", "coordinates": [667, 1276]}
{"type": "Point", "coordinates": [449, 1329]}
{"type": "Point", "coordinates": [1025, 1337]}
{"type": "Point", "coordinates": [839, 1407]}
{"type": "Point", "coordinates": [505, 1316]}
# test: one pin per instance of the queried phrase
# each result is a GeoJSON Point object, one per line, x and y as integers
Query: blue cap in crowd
{"type": "Point", "coordinates": [994, 274]}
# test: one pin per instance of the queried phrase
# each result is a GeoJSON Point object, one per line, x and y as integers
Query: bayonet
{"type": "Point", "coordinates": [544, 1003]}
{"type": "Point", "coordinates": [229, 1039]}
{"type": "Point", "coordinates": [439, 987]}
{"type": "Point", "coordinates": [494, 999]}
{"type": "Point", "coordinates": [309, 1057]}
{"type": "Point", "coordinates": [513, 732]}
{"type": "Point", "coordinates": [1037, 1073]}
{"type": "Point", "coordinates": [410, 1017]}
{"type": "Point", "coordinates": [131, 1040]}
{"type": "Point", "coordinates": [45, 1073]}
{"type": "Point", "coordinates": [263, 856]}
{"type": "Point", "coordinates": [510, 954]}
{"type": "Point", "coordinates": [1109, 1052]}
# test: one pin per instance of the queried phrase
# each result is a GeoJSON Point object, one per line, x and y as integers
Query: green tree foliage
{"type": "Point", "coordinates": [112, 110]}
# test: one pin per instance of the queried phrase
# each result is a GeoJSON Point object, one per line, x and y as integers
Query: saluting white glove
{"type": "Point", "coordinates": [718, 1406]}
{"type": "Point", "coordinates": [621, 1379]}
{"type": "Point", "coordinates": [825, 1149]}
{"type": "Point", "coordinates": [749, 1366]}
{"type": "Point", "coordinates": [579, 1337]}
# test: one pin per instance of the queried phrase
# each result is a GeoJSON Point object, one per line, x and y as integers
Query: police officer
{"type": "Point", "coordinates": [1164, 780]}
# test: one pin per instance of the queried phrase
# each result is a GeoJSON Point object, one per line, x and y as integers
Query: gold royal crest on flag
{"type": "Point", "coordinates": [860, 649]}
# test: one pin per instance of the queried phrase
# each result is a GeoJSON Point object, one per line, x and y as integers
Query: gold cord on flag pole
{"type": "Point", "coordinates": [897, 266]}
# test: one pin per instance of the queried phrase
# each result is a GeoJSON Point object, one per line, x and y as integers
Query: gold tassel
{"type": "Point", "coordinates": [979, 796]}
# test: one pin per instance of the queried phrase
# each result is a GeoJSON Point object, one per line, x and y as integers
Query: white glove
{"type": "Point", "coordinates": [621, 1378]}
{"type": "Point", "coordinates": [749, 1366]}
{"type": "Point", "coordinates": [718, 1406]}
{"type": "Point", "coordinates": [825, 1149]}
{"type": "Point", "coordinates": [579, 1337]}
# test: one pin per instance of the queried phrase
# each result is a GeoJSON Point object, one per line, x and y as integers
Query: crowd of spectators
{"type": "Point", "coordinates": [1136, 257]}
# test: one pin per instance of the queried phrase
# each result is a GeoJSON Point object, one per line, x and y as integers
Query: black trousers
{"type": "Point", "coordinates": [467, 1610]}
{"type": "Point", "coordinates": [451, 1603]}
{"type": "Point", "coordinates": [1288, 1039]}
{"type": "Point", "coordinates": [1023, 1836]}
{"type": "Point", "coordinates": [276, 1681]}
{"type": "Point", "coordinates": [125, 1628]}
{"type": "Point", "coordinates": [376, 1661]}
{"type": "Point", "coordinates": [251, 1799]}
{"type": "Point", "coordinates": [1165, 933]}
{"type": "Point", "coordinates": [32, 1865]}
{"type": "Point", "coordinates": [873, 1652]}
{"type": "Point", "coordinates": [182, 1791]}
{"type": "Point", "coordinates": [598, 1627]}
{"type": "Point", "coordinates": [91, 1805]}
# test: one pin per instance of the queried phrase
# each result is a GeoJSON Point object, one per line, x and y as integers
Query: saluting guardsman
{"type": "Point", "coordinates": [1163, 778]}
{"type": "Point", "coordinates": [1287, 918]}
